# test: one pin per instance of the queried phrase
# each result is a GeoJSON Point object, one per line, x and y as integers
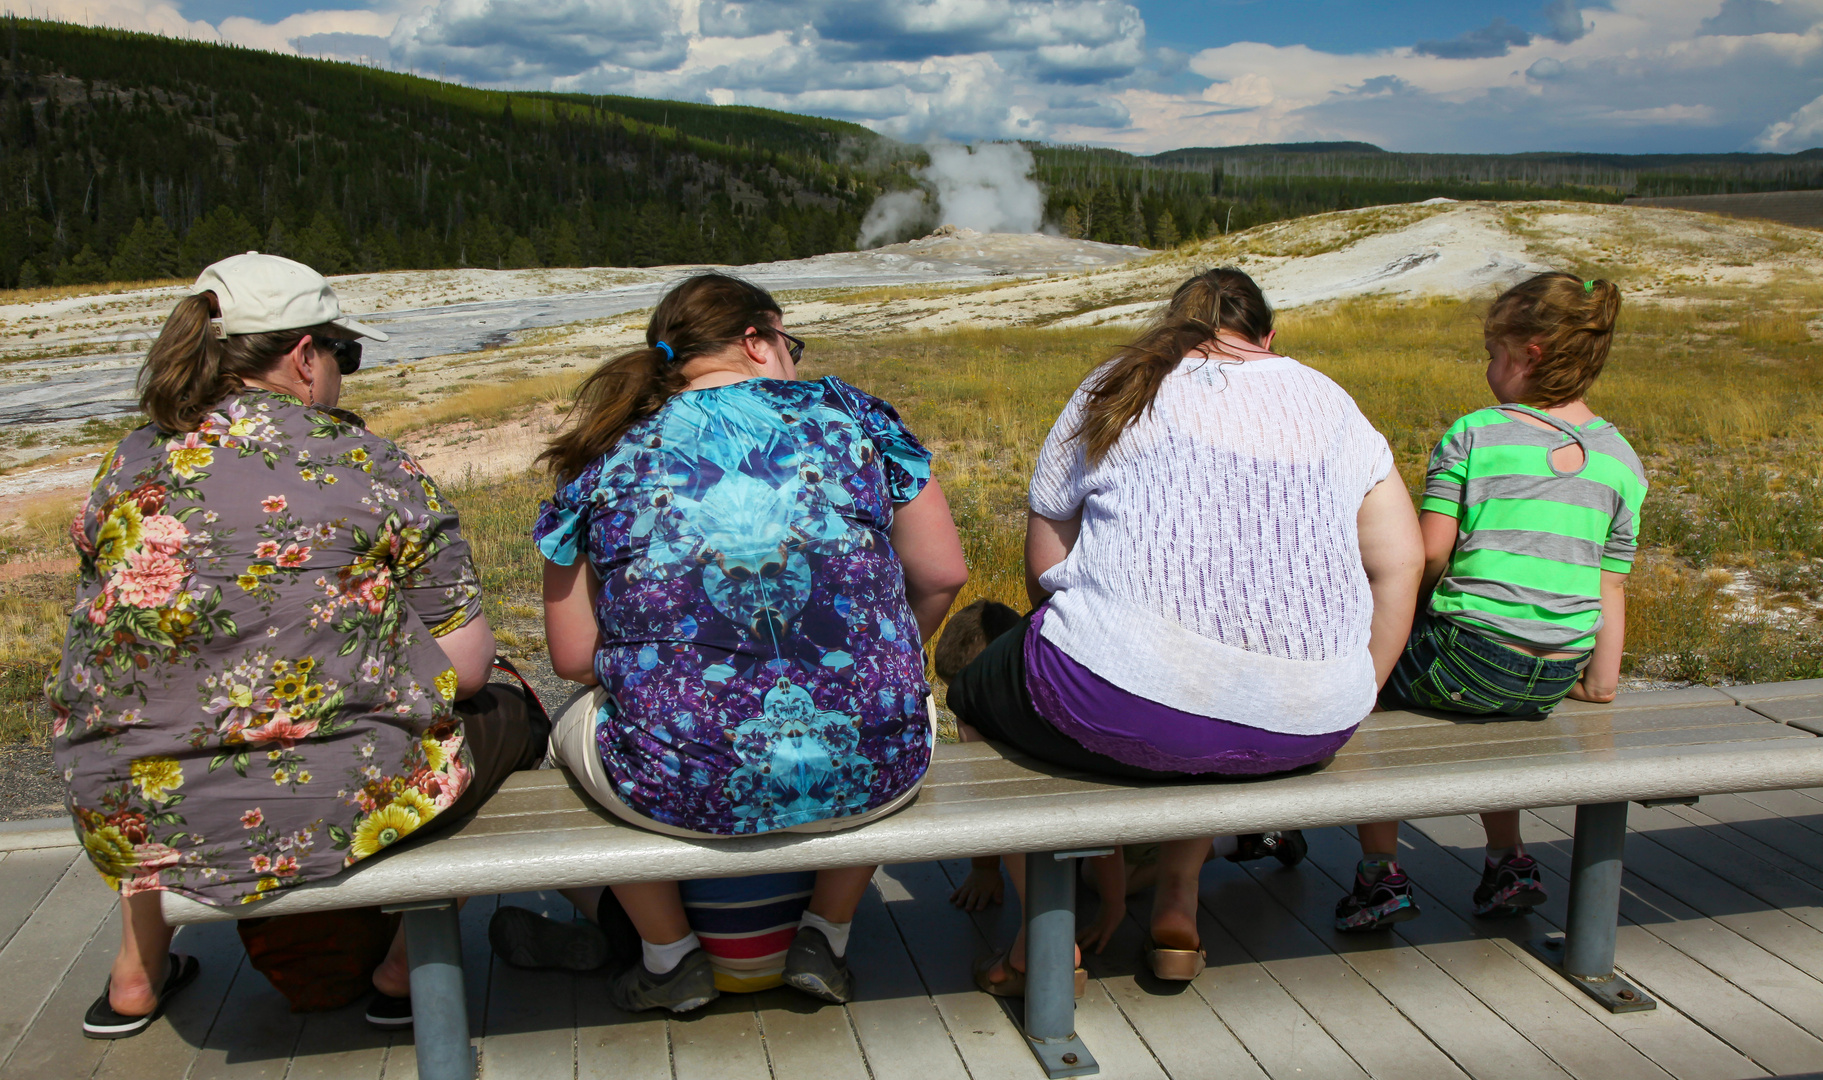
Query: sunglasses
{"type": "Point", "coordinates": [795, 346]}
{"type": "Point", "coordinates": [347, 354]}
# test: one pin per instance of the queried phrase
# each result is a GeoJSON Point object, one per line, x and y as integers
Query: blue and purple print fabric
{"type": "Point", "coordinates": [762, 666]}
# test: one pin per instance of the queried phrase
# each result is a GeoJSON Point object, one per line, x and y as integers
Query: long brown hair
{"type": "Point", "coordinates": [1572, 323]}
{"type": "Point", "coordinates": [1124, 389]}
{"type": "Point", "coordinates": [189, 370]}
{"type": "Point", "coordinates": [699, 316]}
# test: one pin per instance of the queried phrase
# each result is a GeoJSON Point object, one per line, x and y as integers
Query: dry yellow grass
{"type": "Point", "coordinates": [67, 292]}
{"type": "Point", "coordinates": [478, 404]}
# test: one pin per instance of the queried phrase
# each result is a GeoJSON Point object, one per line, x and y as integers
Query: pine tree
{"type": "Point", "coordinates": [146, 253]}
{"type": "Point", "coordinates": [321, 247]}
{"type": "Point", "coordinates": [215, 236]}
{"type": "Point", "coordinates": [1072, 223]}
{"type": "Point", "coordinates": [521, 255]}
{"type": "Point", "coordinates": [1164, 234]}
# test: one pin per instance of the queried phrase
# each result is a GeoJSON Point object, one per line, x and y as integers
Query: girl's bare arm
{"type": "Point", "coordinates": [1601, 679]}
{"type": "Point", "coordinates": [1439, 532]}
{"type": "Point", "coordinates": [570, 629]}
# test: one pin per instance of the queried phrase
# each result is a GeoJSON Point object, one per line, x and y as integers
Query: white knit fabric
{"type": "Point", "coordinates": [1218, 570]}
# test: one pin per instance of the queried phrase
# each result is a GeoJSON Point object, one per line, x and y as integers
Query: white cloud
{"type": "Point", "coordinates": [1628, 75]}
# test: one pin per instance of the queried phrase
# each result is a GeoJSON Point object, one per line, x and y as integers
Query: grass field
{"type": "Point", "coordinates": [1720, 393]}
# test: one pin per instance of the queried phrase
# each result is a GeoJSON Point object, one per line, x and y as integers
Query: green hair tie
{"type": "Point", "coordinates": [1588, 286]}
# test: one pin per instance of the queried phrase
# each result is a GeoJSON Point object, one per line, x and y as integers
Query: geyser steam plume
{"type": "Point", "coordinates": [988, 188]}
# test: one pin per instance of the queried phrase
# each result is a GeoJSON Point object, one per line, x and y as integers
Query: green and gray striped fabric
{"type": "Point", "coordinates": [1531, 544]}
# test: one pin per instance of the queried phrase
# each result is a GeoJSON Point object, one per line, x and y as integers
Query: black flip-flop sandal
{"type": "Point", "coordinates": [102, 1022]}
{"type": "Point", "coordinates": [389, 1013]}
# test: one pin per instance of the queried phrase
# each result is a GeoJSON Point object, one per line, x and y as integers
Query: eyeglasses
{"type": "Point", "coordinates": [795, 348]}
{"type": "Point", "coordinates": [347, 354]}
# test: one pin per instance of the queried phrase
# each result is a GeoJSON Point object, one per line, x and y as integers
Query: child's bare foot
{"type": "Point", "coordinates": [982, 888]}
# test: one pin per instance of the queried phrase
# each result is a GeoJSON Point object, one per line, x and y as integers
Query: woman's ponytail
{"type": "Point", "coordinates": [701, 315]}
{"type": "Point", "coordinates": [191, 368]}
{"type": "Point", "coordinates": [1203, 306]}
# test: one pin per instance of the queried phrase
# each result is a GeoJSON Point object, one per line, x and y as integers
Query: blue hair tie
{"type": "Point", "coordinates": [665, 347]}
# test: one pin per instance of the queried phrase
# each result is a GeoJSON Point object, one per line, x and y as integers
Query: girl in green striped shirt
{"type": "Point", "coordinates": [1530, 517]}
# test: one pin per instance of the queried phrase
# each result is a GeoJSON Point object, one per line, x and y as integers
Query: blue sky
{"type": "Point", "coordinates": [1142, 75]}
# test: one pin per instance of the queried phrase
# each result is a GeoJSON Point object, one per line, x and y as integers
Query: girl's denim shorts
{"type": "Point", "coordinates": [1450, 667]}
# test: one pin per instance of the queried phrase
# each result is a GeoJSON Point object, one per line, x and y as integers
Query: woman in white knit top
{"type": "Point", "coordinates": [1223, 562]}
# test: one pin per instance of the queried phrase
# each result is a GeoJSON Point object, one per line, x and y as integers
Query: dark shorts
{"type": "Point", "coordinates": [1450, 667]}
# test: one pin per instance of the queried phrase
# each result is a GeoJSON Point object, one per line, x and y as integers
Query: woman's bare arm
{"type": "Point", "coordinates": [1047, 543]}
{"type": "Point", "coordinates": [924, 537]}
{"type": "Point", "coordinates": [570, 630]}
{"type": "Point", "coordinates": [470, 650]}
{"type": "Point", "coordinates": [1392, 553]}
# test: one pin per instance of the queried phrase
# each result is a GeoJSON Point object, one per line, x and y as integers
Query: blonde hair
{"type": "Point", "coordinates": [1204, 305]}
{"type": "Point", "coordinates": [1572, 323]}
{"type": "Point", "coordinates": [189, 370]}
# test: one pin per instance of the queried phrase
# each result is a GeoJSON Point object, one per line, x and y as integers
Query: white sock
{"type": "Point", "coordinates": [661, 959]}
{"type": "Point", "coordinates": [1496, 855]}
{"type": "Point", "coordinates": [1226, 846]}
{"type": "Point", "coordinates": [835, 932]}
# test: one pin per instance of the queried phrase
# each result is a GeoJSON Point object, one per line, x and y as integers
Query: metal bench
{"type": "Point", "coordinates": [541, 832]}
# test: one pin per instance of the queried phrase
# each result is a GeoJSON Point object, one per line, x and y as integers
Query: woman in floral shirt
{"type": "Point", "coordinates": [744, 565]}
{"type": "Point", "coordinates": [276, 617]}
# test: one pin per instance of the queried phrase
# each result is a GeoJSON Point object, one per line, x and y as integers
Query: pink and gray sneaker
{"type": "Point", "coordinates": [1376, 905]}
{"type": "Point", "coordinates": [1511, 887]}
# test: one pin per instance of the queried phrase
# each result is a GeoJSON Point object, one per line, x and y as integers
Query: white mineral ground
{"type": "Point", "coordinates": [67, 360]}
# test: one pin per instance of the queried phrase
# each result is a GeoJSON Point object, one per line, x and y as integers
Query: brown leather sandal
{"type": "Point", "coordinates": [1176, 965]}
{"type": "Point", "coordinates": [1014, 983]}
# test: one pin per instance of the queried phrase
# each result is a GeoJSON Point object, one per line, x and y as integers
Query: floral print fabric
{"type": "Point", "coordinates": [762, 666]}
{"type": "Point", "coordinates": [250, 696]}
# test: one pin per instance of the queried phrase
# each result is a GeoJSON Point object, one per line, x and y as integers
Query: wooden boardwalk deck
{"type": "Point", "coordinates": [1722, 922]}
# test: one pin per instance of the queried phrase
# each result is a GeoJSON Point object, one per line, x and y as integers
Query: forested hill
{"type": "Point", "coordinates": [126, 156]}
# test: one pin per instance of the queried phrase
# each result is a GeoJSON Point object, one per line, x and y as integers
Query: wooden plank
{"type": "Point", "coordinates": [610, 1043]}
{"type": "Point", "coordinates": [1448, 851]}
{"type": "Point", "coordinates": [1494, 734]}
{"type": "Point", "coordinates": [720, 1041]}
{"type": "Point", "coordinates": [1117, 1049]}
{"type": "Point", "coordinates": [901, 1033]}
{"type": "Point", "coordinates": [1365, 1024]}
{"type": "Point", "coordinates": [26, 877]}
{"type": "Point", "coordinates": [168, 1048]}
{"type": "Point", "coordinates": [254, 1033]}
{"type": "Point", "coordinates": [1726, 1011]}
{"type": "Point", "coordinates": [806, 1037]}
{"type": "Point", "coordinates": [1794, 806]}
{"type": "Point", "coordinates": [1475, 1037]}
{"type": "Point", "coordinates": [340, 1043]}
{"type": "Point", "coordinates": [1783, 988]}
{"type": "Point", "coordinates": [944, 944]}
{"type": "Point", "coordinates": [53, 1048]}
{"type": "Point", "coordinates": [1180, 1029]}
{"type": "Point", "coordinates": [531, 1015]}
{"type": "Point", "coordinates": [40, 953]}
{"type": "Point", "coordinates": [1285, 1040]}
{"type": "Point", "coordinates": [1533, 1001]}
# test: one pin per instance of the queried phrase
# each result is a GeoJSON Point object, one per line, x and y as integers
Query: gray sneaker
{"type": "Point", "coordinates": [526, 939]}
{"type": "Point", "coordinates": [689, 985]}
{"type": "Point", "coordinates": [813, 967]}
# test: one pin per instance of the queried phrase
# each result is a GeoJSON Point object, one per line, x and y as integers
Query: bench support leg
{"type": "Point", "coordinates": [1050, 981]}
{"type": "Point", "coordinates": [439, 1006]}
{"type": "Point", "coordinates": [1585, 955]}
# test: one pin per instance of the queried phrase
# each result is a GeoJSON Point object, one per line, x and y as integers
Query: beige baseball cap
{"type": "Point", "coordinates": [258, 293]}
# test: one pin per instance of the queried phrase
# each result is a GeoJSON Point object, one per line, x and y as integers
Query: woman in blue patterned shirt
{"type": "Point", "coordinates": [744, 567]}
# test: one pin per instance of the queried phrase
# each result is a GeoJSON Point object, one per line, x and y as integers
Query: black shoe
{"type": "Point", "coordinates": [389, 1013]}
{"type": "Point", "coordinates": [813, 967]}
{"type": "Point", "coordinates": [526, 939]}
{"type": "Point", "coordinates": [1289, 847]}
{"type": "Point", "coordinates": [1376, 905]}
{"type": "Point", "coordinates": [102, 1022]}
{"type": "Point", "coordinates": [689, 985]}
{"type": "Point", "coordinates": [1511, 888]}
